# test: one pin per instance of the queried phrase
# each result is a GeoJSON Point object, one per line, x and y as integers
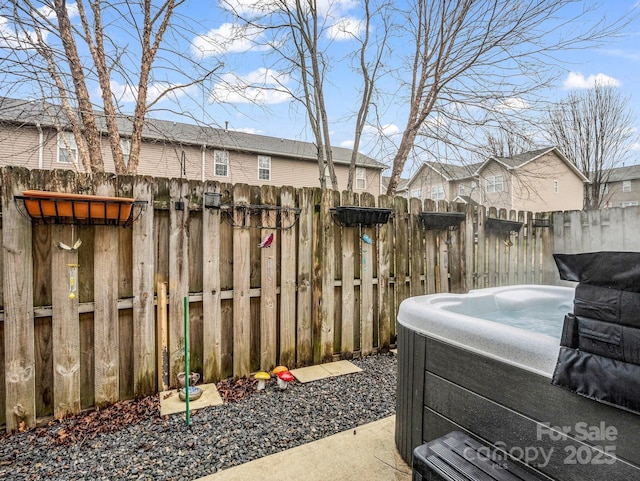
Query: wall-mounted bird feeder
{"type": "Point", "coordinates": [64, 208]}
{"type": "Point", "coordinates": [441, 220]}
{"type": "Point", "coordinates": [350, 215]}
{"type": "Point", "coordinates": [503, 226]}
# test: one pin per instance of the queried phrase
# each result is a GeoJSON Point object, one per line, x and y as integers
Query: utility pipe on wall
{"type": "Point", "coordinates": [40, 146]}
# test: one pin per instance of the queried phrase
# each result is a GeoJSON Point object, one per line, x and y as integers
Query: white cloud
{"type": "Point", "coordinates": [576, 80]}
{"type": "Point", "coordinates": [263, 86]}
{"type": "Point", "coordinates": [387, 130]}
{"type": "Point", "coordinates": [228, 38]}
{"type": "Point", "coordinates": [122, 93]}
{"type": "Point", "coordinates": [247, 130]}
{"type": "Point", "coordinates": [347, 144]}
{"type": "Point", "coordinates": [635, 146]}
{"type": "Point", "coordinates": [346, 28]}
{"type": "Point", "coordinates": [125, 93]}
{"type": "Point", "coordinates": [513, 103]}
{"type": "Point", "coordinates": [17, 38]}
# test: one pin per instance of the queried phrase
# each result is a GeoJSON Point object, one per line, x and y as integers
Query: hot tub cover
{"type": "Point", "coordinates": [599, 354]}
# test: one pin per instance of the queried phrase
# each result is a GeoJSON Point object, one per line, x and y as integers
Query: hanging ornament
{"type": "Point", "coordinates": [266, 242]}
{"type": "Point", "coordinates": [74, 246]}
{"type": "Point", "coordinates": [73, 280]}
{"type": "Point", "coordinates": [366, 239]}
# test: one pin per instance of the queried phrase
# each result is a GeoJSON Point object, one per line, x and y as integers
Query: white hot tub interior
{"type": "Point", "coordinates": [520, 325]}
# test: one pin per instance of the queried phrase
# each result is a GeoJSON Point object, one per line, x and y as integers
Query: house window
{"type": "Point", "coordinates": [495, 183]}
{"type": "Point", "coordinates": [67, 148]}
{"type": "Point", "coordinates": [461, 189]}
{"type": "Point", "coordinates": [221, 163]}
{"type": "Point", "coordinates": [125, 145]}
{"type": "Point", "coordinates": [361, 178]}
{"type": "Point", "coordinates": [626, 186]}
{"type": "Point", "coordinates": [264, 167]}
{"type": "Point", "coordinates": [628, 203]}
{"type": "Point", "coordinates": [416, 193]}
{"type": "Point", "coordinates": [437, 192]}
{"type": "Point", "coordinates": [604, 189]}
{"type": "Point", "coordinates": [556, 187]}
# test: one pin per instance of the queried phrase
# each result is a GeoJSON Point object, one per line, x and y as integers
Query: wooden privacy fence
{"type": "Point", "coordinates": [318, 293]}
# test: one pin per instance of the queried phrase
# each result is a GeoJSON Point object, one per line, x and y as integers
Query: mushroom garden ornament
{"type": "Point", "coordinates": [284, 378]}
{"type": "Point", "coordinates": [262, 378]}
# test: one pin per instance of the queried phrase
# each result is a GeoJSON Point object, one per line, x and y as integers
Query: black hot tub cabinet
{"type": "Point", "coordinates": [457, 372]}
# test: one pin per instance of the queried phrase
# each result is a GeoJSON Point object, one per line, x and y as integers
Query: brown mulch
{"type": "Point", "coordinates": [235, 390]}
{"type": "Point", "coordinates": [88, 424]}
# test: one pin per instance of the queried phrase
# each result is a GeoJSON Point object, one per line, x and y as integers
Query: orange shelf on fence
{"type": "Point", "coordinates": [61, 207]}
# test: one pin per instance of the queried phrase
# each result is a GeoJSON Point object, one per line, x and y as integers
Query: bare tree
{"type": "Point", "coordinates": [134, 30]}
{"type": "Point", "coordinates": [302, 39]}
{"type": "Point", "coordinates": [593, 129]}
{"type": "Point", "coordinates": [466, 53]}
{"type": "Point", "coordinates": [505, 142]}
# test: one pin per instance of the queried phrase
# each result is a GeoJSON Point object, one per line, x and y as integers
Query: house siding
{"type": "Point", "coordinates": [163, 159]}
{"type": "Point", "coordinates": [526, 186]}
{"type": "Point", "coordinates": [534, 186]}
{"type": "Point", "coordinates": [425, 181]}
{"type": "Point", "coordinates": [502, 199]}
{"type": "Point", "coordinates": [617, 198]}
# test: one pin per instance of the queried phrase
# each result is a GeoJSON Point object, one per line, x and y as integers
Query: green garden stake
{"type": "Point", "coordinates": [187, 393]}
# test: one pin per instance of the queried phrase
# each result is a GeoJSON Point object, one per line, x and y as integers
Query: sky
{"type": "Point", "coordinates": [224, 100]}
{"type": "Point", "coordinates": [615, 62]}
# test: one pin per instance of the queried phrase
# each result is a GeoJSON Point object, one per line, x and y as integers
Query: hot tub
{"type": "Point", "coordinates": [482, 363]}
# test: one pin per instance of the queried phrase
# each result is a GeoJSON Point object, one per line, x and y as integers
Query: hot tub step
{"type": "Point", "coordinates": [457, 457]}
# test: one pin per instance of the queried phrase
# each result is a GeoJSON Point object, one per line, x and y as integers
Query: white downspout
{"type": "Point", "coordinates": [40, 146]}
{"type": "Point", "coordinates": [204, 158]}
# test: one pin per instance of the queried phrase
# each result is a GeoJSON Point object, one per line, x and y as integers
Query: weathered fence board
{"type": "Point", "coordinates": [241, 285]}
{"type": "Point", "coordinates": [304, 348]}
{"type": "Point", "coordinates": [366, 282]}
{"type": "Point", "coordinates": [144, 360]}
{"type": "Point", "coordinates": [268, 282]}
{"type": "Point", "coordinates": [106, 318]}
{"type": "Point", "coordinates": [19, 356]}
{"type": "Point", "coordinates": [65, 327]}
{"type": "Point", "coordinates": [386, 306]}
{"type": "Point", "coordinates": [288, 278]}
{"type": "Point", "coordinates": [211, 293]}
{"type": "Point", "coordinates": [349, 240]}
{"type": "Point", "coordinates": [178, 276]}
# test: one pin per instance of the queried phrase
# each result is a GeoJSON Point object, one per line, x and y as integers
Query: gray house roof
{"type": "Point", "coordinates": [619, 174]}
{"type": "Point", "coordinates": [522, 158]}
{"type": "Point", "coordinates": [25, 112]}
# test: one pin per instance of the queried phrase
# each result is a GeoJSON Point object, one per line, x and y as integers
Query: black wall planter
{"type": "Point", "coordinates": [349, 216]}
{"type": "Point", "coordinates": [503, 226]}
{"type": "Point", "coordinates": [441, 220]}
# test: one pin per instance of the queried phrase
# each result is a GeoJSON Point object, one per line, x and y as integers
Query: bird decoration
{"type": "Point", "coordinates": [366, 239]}
{"type": "Point", "coordinates": [73, 248]}
{"type": "Point", "coordinates": [266, 242]}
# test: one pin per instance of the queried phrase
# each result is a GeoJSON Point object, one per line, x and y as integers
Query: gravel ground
{"type": "Point", "coordinates": [219, 437]}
